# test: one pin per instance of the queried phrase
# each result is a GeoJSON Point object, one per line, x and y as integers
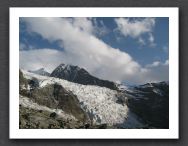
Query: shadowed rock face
{"type": "Point", "coordinates": [55, 96]}
{"type": "Point", "coordinates": [151, 103]}
{"type": "Point", "coordinates": [80, 75]}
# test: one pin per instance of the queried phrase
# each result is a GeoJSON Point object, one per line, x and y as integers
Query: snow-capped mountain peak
{"type": "Point", "coordinates": [66, 68]}
{"type": "Point", "coordinates": [40, 71]}
{"type": "Point", "coordinates": [62, 65]}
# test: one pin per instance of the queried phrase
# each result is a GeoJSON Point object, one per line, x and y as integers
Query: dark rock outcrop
{"type": "Point", "coordinates": [81, 76]}
{"type": "Point", "coordinates": [151, 103]}
{"type": "Point", "coordinates": [55, 96]}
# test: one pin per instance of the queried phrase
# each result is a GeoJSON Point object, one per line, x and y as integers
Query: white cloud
{"type": "Point", "coordinates": [50, 58]}
{"type": "Point", "coordinates": [135, 28]}
{"type": "Point", "coordinates": [83, 23]}
{"type": "Point", "coordinates": [100, 28]}
{"type": "Point", "coordinates": [166, 62]}
{"type": "Point", "coordinates": [82, 48]}
{"type": "Point", "coordinates": [165, 49]}
{"type": "Point", "coordinates": [141, 41]}
{"type": "Point", "coordinates": [151, 38]}
{"type": "Point", "coordinates": [157, 71]}
{"type": "Point", "coordinates": [41, 58]}
{"type": "Point", "coordinates": [22, 46]}
{"type": "Point", "coordinates": [154, 64]}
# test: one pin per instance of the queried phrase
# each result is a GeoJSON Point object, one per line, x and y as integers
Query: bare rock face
{"type": "Point", "coordinates": [55, 96]}
{"type": "Point", "coordinates": [151, 102]}
{"type": "Point", "coordinates": [80, 75]}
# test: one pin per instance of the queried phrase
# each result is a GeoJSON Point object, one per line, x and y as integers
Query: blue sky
{"type": "Point", "coordinates": [129, 44]}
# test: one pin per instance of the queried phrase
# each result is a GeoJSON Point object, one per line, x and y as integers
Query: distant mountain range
{"type": "Point", "coordinates": [41, 71]}
{"type": "Point", "coordinates": [70, 97]}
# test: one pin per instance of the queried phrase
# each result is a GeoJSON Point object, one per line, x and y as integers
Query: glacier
{"type": "Point", "coordinates": [98, 102]}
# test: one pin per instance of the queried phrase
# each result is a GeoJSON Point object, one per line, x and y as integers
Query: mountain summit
{"type": "Point", "coordinates": [80, 75]}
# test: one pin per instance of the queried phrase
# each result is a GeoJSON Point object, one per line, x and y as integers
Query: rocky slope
{"type": "Point", "coordinates": [33, 115]}
{"type": "Point", "coordinates": [51, 96]}
{"type": "Point", "coordinates": [150, 102]}
{"type": "Point", "coordinates": [79, 75]}
{"type": "Point", "coordinates": [89, 104]}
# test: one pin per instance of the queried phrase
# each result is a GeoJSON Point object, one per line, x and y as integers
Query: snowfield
{"type": "Point", "coordinates": [98, 102]}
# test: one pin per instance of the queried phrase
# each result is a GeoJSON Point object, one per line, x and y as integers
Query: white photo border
{"type": "Point", "coordinates": [171, 133]}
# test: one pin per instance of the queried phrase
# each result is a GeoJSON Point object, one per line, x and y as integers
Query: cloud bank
{"type": "Point", "coordinates": [136, 28]}
{"type": "Point", "coordinates": [81, 47]}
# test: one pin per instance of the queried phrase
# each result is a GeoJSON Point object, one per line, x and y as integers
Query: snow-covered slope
{"type": "Point", "coordinates": [41, 71]}
{"type": "Point", "coordinates": [99, 102]}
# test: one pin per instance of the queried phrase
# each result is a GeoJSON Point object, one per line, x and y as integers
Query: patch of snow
{"type": "Point", "coordinates": [157, 91]}
{"type": "Point", "coordinates": [132, 120]}
{"type": "Point", "coordinates": [62, 66]}
{"type": "Point", "coordinates": [122, 87]}
{"type": "Point", "coordinates": [148, 85]}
